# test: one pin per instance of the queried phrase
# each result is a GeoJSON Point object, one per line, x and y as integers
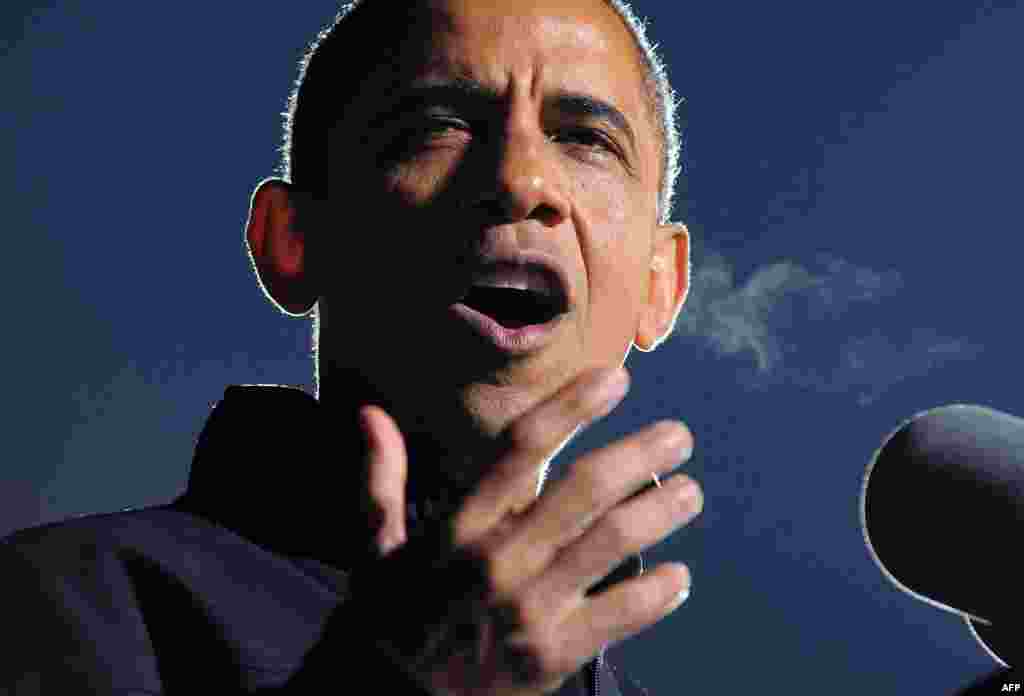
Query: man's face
{"type": "Point", "coordinates": [517, 127]}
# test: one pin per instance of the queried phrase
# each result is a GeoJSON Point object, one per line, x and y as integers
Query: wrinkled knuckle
{"type": "Point", "coordinates": [490, 568]}
{"type": "Point", "coordinates": [561, 664]}
{"type": "Point", "coordinates": [527, 434]}
{"type": "Point", "coordinates": [500, 576]}
{"type": "Point", "coordinates": [549, 661]}
{"type": "Point", "coordinates": [532, 609]}
{"type": "Point", "coordinates": [618, 531]}
{"type": "Point", "coordinates": [581, 402]}
{"type": "Point", "coordinates": [593, 477]}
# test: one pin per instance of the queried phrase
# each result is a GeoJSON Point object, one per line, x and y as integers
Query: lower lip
{"type": "Point", "coordinates": [521, 340]}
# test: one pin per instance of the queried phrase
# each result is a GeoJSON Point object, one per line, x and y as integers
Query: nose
{"type": "Point", "coordinates": [527, 182]}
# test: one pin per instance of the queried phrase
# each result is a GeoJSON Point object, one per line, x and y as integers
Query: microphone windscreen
{"type": "Point", "coordinates": [942, 507]}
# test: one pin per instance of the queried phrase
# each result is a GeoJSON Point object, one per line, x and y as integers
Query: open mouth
{"type": "Point", "coordinates": [514, 308]}
{"type": "Point", "coordinates": [518, 292]}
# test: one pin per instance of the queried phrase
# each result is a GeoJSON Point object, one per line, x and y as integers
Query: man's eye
{"type": "Point", "coordinates": [439, 126]}
{"type": "Point", "coordinates": [585, 136]}
{"type": "Point", "coordinates": [414, 136]}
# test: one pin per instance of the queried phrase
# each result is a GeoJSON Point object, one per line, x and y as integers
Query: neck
{"type": "Point", "coordinates": [443, 453]}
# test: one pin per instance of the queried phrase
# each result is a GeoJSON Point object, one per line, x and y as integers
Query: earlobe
{"type": "Point", "coordinates": [668, 287]}
{"type": "Point", "coordinates": [682, 236]}
{"type": "Point", "coordinates": [277, 248]}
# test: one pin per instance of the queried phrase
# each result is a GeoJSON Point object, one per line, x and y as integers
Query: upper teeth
{"type": "Point", "coordinates": [517, 277]}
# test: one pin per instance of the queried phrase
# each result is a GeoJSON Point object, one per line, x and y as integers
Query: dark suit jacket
{"type": "Point", "coordinates": [243, 584]}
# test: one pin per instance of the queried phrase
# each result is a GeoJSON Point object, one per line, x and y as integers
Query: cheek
{"type": "Point", "coordinates": [416, 183]}
{"type": "Point", "coordinates": [616, 294]}
{"type": "Point", "coordinates": [606, 200]}
{"type": "Point", "coordinates": [611, 222]}
{"type": "Point", "coordinates": [612, 321]}
{"type": "Point", "coordinates": [611, 215]}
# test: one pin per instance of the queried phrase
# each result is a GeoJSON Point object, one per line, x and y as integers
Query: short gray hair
{"type": "Point", "coordinates": [663, 102]}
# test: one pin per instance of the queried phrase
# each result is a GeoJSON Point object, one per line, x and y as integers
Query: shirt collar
{"type": "Point", "coordinates": [263, 469]}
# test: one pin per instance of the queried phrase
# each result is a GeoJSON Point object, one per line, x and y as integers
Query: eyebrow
{"type": "Point", "coordinates": [467, 92]}
{"type": "Point", "coordinates": [579, 104]}
{"type": "Point", "coordinates": [457, 92]}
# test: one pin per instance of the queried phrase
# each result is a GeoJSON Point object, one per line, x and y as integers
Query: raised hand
{"type": "Point", "coordinates": [501, 605]}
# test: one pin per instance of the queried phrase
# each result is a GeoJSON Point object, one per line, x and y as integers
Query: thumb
{"type": "Point", "coordinates": [386, 474]}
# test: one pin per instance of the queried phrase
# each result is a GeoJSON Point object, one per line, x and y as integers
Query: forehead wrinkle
{"type": "Point", "coordinates": [446, 58]}
{"type": "Point", "coordinates": [585, 32]}
{"type": "Point", "coordinates": [576, 32]}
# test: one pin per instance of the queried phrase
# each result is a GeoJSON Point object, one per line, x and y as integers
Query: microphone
{"type": "Point", "coordinates": [942, 510]}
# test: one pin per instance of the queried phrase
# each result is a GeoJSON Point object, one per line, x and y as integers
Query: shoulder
{"type": "Point", "coordinates": [69, 603]}
{"type": "Point", "coordinates": [83, 537]}
{"type": "Point", "coordinates": [98, 550]}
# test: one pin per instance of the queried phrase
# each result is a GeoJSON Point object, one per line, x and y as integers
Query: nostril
{"type": "Point", "coordinates": [547, 214]}
{"type": "Point", "coordinates": [506, 206]}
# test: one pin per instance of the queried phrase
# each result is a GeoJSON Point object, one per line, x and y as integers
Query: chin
{"type": "Point", "coordinates": [496, 404]}
{"type": "Point", "coordinates": [493, 407]}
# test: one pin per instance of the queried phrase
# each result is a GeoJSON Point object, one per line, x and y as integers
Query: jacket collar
{"type": "Point", "coordinates": [264, 469]}
{"type": "Point", "coordinates": [269, 466]}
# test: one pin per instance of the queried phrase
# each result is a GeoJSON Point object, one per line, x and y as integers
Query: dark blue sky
{"type": "Point", "coordinates": [853, 182]}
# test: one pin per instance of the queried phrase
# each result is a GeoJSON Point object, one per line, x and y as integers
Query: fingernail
{"type": "Point", "coordinates": [677, 602]}
{"type": "Point", "coordinates": [680, 441]}
{"type": "Point", "coordinates": [391, 540]}
{"type": "Point", "coordinates": [687, 452]}
{"type": "Point", "coordinates": [683, 486]}
{"type": "Point", "coordinates": [611, 389]}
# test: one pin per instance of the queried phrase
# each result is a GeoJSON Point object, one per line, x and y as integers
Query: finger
{"type": "Point", "coordinates": [625, 609]}
{"type": "Point", "coordinates": [596, 483]}
{"type": "Point", "coordinates": [628, 529]}
{"type": "Point", "coordinates": [387, 472]}
{"type": "Point", "coordinates": [531, 440]}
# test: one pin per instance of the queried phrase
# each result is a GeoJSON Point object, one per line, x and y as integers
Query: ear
{"type": "Point", "coordinates": [278, 248]}
{"type": "Point", "coordinates": [668, 285]}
